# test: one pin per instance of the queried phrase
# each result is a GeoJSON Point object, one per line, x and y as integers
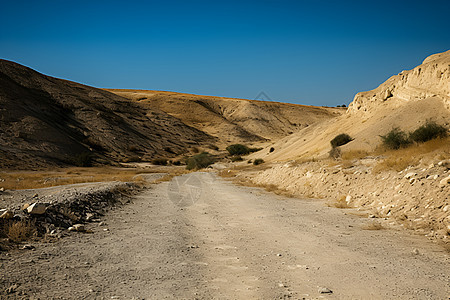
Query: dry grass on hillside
{"type": "Point", "coordinates": [398, 160]}
{"type": "Point", "coordinates": [41, 179]}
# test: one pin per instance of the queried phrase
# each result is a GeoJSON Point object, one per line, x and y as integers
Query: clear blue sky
{"type": "Point", "coordinates": [307, 52]}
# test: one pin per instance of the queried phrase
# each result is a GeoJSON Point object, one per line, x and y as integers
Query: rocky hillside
{"type": "Point", "coordinates": [234, 120]}
{"type": "Point", "coordinates": [406, 188]}
{"type": "Point", "coordinates": [45, 121]}
{"type": "Point", "coordinates": [406, 101]}
{"type": "Point", "coordinates": [430, 79]}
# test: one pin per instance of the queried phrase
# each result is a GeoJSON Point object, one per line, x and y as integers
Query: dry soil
{"type": "Point", "coordinates": [202, 237]}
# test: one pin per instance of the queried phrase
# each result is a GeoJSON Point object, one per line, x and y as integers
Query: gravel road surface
{"type": "Point", "coordinates": [202, 237]}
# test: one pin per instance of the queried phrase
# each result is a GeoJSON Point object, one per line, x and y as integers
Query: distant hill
{"type": "Point", "coordinates": [406, 100]}
{"type": "Point", "coordinates": [233, 120]}
{"type": "Point", "coordinates": [45, 121]}
{"type": "Point", "coordinates": [48, 122]}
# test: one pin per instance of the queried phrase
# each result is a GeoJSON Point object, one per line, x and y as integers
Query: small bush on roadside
{"type": "Point", "coordinates": [199, 161]}
{"type": "Point", "coordinates": [160, 161]}
{"type": "Point", "coordinates": [427, 132]}
{"type": "Point", "coordinates": [83, 159]}
{"type": "Point", "coordinates": [340, 139]}
{"type": "Point", "coordinates": [20, 231]}
{"type": "Point", "coordinates": [236, 158]}
{"type": "Point", "coordinates": [258, 161]}
{"type": "Point", "coordinates": [395, 139]}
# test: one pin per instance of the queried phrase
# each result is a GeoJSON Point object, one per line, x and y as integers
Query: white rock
{"type": "Point", "coordinates": [412, 180]}
{"type": "Point", "coordinates": [6, 214]}
{"type": "Point", "coordinates": [77, 227]}
{"type": "Point", "coordinates": [348, 199]}
{"type": "Point", "coordinates": [445, 181]}
{"type": "Point", "coordinates": [28, 247]}
{"type": "Point", "coordinates": [410, 174]}
{"type": "Point", "coordinates": [323, 290]}
{"type": "Point", "coordinates": [36, 209]}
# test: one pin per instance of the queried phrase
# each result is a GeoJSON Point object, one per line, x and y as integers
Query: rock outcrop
{"type": "Point", "coordinates": [430, 79]}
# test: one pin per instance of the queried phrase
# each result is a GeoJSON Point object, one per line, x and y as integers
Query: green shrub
{"type": "Point", "coordinates": [176, 163]}
{"type": "Point", "coordinates": [255, 149]}
{"type": "Point", "coordinates": [199, 161]}
{"type": "Point", "coordinates": [395, 139]}
{"type": "Point", "coordinates": [236, 158]}
{"type": "Point", "coordinates": [160, 161]}
{"type": "Point", "coordinates": [238, 149]}
{"type": "Point", "coordinates": [340, 139]}
{"type": "Point", "coordinates": [83, 159]}
{"type": "Point", "coordinates": [427, 132]}
{"type": "Point", "coordinates": [258, 161]}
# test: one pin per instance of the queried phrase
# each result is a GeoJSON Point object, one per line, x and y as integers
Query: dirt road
{"type": "Point", "coordinates": [202, 237]}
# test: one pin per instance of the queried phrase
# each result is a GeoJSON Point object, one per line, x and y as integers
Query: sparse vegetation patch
{"type": "Point", "coordinates": [427, 132]}
{"type": "Point", "coordinates": [160, 161]}
{"type": "Point", "coordinates": [199, 161]}
{"type": "Point", "coordinates": [239, 149]}
{"type": "Point", "coordinates": [236, 158]}
{"type": "Point", "coordinates": [335, 153]}
{"type": "Point", "coordinates": [258, 161]}
{"type": "Point", "coordinates": [83, 159]}
{"type": "Point", "coordinates": [340, 139]}
{"type": "Point", "coordinates": [395, 139]}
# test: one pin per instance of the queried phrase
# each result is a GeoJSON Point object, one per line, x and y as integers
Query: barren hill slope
{"type": "Point", "coordinates": [406, 100]}
{"type": "Point", "coordinates": [45, 121]}
{"type": "Point", "coordinates": [234, 120]}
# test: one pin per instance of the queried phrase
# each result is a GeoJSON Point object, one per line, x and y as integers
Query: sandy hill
{"type": "Point", "coordinates": [233, 120]}
{"type": "Point", "coordinates": [406, 100]}
{"type": "Point", "coordinates": [45, 121]}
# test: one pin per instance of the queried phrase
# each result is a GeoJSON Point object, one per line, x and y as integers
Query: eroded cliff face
{"type": "Point", "coordinates": [430, 79]}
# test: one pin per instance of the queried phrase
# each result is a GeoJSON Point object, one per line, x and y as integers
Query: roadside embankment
{"type": "Point", "coordinates": [49, 212]}
{"type": "Point", "coordinates": [415, 198]}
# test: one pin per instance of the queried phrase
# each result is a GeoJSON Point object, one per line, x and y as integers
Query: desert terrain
{"type": "Point", "coordinates": [201, 237]}
{"type": "Point", "coordinates": [295, 217]}
{"type": "Point", "coordinates": [234, 120]}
